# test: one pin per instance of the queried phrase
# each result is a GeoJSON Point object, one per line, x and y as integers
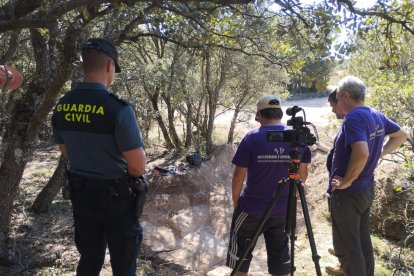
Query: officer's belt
{"type": "Point", "coordinates": [81, 183]}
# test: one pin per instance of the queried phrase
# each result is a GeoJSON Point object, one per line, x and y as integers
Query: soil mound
{"type": "Point", "coordinates": [393, 206]}
{"type": "Point", "coordinates": [187, 217]}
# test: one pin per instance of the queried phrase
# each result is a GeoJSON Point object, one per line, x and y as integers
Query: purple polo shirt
{"type": "Point", "coordinates": [267, 163]}
{"type": "Point", "coordinates": [361, 124]}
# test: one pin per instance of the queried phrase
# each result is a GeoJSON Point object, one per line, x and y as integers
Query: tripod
{"type": "Point", "coordinates": [295, 185]}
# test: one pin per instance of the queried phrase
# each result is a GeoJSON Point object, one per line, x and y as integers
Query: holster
{"type": "Point", "coordinates": [66, 192]}
{"type": "Point", "coordinates": [139, 186]}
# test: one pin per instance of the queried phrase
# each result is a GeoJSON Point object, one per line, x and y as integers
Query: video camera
{"type": "Point", "coordinates": [299, 136]}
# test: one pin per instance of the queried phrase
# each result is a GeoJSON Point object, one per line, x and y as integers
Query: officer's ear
{"type": "Point", "coordinates": [109, 64]}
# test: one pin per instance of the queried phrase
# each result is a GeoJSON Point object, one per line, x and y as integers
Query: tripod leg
{"type": "Point", "coordinates": [290, 227]}
{"type": "Point", "coordinates": [315, 256]}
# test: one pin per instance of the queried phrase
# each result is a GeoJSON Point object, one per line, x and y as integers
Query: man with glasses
{"type": "Point", "coordinates": [358, 147]}
{"type": "Point", "coordinates": [333, 102]}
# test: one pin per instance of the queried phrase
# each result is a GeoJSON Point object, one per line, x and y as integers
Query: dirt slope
{"type": "Point", "coordinates": [186, 222]}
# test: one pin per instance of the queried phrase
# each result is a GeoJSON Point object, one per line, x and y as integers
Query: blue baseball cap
{"type": "Point", "coordinates": [104, 46]}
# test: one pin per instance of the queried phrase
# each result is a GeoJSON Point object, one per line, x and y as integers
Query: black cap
{"type": "Point", "coordinates": [104, 46]}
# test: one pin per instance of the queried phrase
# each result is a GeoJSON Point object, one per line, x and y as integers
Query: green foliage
{"type": "Point", "coordinates": [408, 162]}
{"type": "Point", "coordinates": [309, 41]}
{"type": "Point", "coordinates": [162, 46]}
{"type": "Point", "coordinates": [271, 52]}
{"type": "Point", "coordinates": [388, 75]}
{"type": "Point", "coordinates": [250, 78]}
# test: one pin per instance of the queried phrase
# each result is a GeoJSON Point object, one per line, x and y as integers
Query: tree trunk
{"type": "Point", "coordinates": [161, 124]}
{"type": "Point", "coordinates": [210, 127]}
{"type": "Point", "coordinates": [208, 124]}
{"type": "Point", "coordinates": [243, 99]}
{"type": "Point", "coordinates": [49, 192]}
{"type": "Point", "coordinates": [171, 125]}
{"type": "Point", "coordinates": [167, 99]}
{"type": "Point", "coordinates": [214, 93]}
{"type": "Point", "coordinates": [188, 120]}
{"type": "Point", "coordinates": [230, 137]}
{"type": "Point", "coordinates": [6, 99]}
{"type": "Point", "coordinates": [11, 172]}
{"type": "Point", "coordinates": [22, 132]}
{"type": "Point", "coordinates": [27, 116]}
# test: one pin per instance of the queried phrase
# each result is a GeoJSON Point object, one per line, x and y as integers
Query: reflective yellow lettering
{"type": "Point", "coordinates": [100, 110]}
{"type": "Point", "coordinates": [93, 109]}
{"type": "Point", "coordinates": [67, 117]}
{"type": "Point", "coordinates": [73, 108]}
{"type": "Point", "coordinates": [87, 118]}
{"type": "Point", "coordinates": [66, 107]}
{"type": "Point", "coordinates": [59, 108]}
{"type": "Point", "coordinates": [80, 107]}
{"type": "Point", "coordinates": [78, 117]}
{"type": "Point", "coordinates": [88, 108]}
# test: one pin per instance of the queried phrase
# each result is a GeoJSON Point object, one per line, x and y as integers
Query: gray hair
{"type": "Point", "coordinates": [354, 86]}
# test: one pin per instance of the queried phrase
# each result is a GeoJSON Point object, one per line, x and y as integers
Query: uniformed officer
{"type": "Point", "coordinates": [98, 133]}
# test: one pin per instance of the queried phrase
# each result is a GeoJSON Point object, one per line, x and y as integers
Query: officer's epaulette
{"type": "Point", "coordinates": [119, 99]}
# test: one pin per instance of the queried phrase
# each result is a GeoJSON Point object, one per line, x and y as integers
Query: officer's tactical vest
{"type": "Point", "coordinates": [87, 110]}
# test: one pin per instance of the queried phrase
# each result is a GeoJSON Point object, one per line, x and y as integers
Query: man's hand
{"type": "Point", "coordinates": [63, 150]}
{"type": "Point", "coordinates": [338, 183]}
{"type": "Point", "coordinates": [395, 140]}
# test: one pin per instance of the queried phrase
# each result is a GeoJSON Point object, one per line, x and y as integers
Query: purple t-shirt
{"type": "Point", "coordinates": [267, 163]}
{"type": "Point", "coordinates": [361, 124]}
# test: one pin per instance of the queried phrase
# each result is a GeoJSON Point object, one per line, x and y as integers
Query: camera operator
{"type": "Point", "coordinates": [266, 164]}
{"type": "Point", "coordinates": [358, 147]}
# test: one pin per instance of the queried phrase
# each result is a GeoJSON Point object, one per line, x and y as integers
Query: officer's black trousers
{"type": "Point", "coordinates": [104, 216]}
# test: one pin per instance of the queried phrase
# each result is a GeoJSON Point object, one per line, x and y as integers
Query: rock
{"type": "Point", "coordinates": [188, 217]}
{"type": "Point", "coordinates": [220, 271]}
{"type": "Point", "coordinates": [198, 250]}
{"type": "Point", "coordinates": [159, 237]}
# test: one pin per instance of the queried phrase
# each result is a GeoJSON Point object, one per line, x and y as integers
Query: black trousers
{"type": "Point", "coordinates": [351, 231]}
{"type": "Point", "coordinates": [104, 216]}
{"type": "Point", "coordinates": [276, 239]}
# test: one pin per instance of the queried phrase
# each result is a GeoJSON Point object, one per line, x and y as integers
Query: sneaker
{"type": "Point", "coordinates": [332, 251]}
{"type": "Point", "coordinates": [337, 271]}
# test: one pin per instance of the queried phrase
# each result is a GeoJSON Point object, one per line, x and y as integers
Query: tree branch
{"type": "Point", "coordinates": [384, 15]}
{"type": "Point", "coordinates": [270, 57]}
{"type": "Point", "coordinates": [11, 49]}
{"type": "Point", "coordinates": [290, 8]}
{"type": "Point", "coordinates": [13, 17]}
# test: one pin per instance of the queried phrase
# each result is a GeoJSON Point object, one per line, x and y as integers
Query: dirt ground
{"type": "Point", "coordinates": [43, 244]}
